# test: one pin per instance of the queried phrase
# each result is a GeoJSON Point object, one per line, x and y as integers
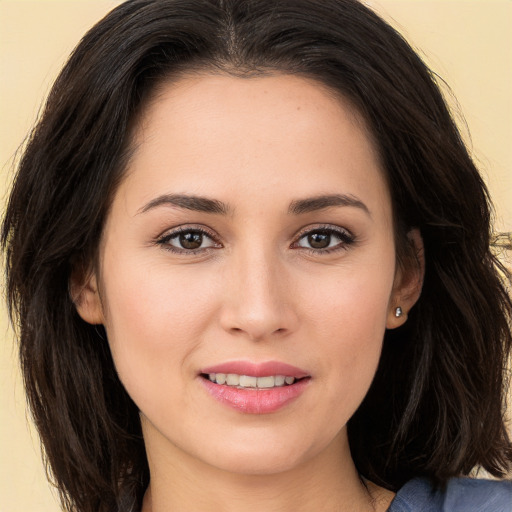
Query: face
{"type": "Point", "coordinates": [251, 240]}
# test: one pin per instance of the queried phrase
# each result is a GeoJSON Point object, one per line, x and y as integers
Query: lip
{"type": "Point", "coordinates": [262, 369]}
{"type": "Point", "coordinates": [256, 401]}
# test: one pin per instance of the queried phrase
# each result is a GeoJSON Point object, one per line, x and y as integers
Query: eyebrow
{"type": "Point", "coordinates": [312, 204]}
{"type": "Point", "coordinates": [297, 207]}
{"type": "Point", "coordinates": [188, 202]}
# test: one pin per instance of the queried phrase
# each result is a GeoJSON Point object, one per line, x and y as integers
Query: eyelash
{"type": "Point", "coordinates": [164, 240]}
{"type": "Point", "coordinates": [346, 239]}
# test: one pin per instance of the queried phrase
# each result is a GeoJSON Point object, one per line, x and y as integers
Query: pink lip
{"type": "Point", "coordinates": [256, 401]}
{"type": "Point", "coordinates": [263, 369]}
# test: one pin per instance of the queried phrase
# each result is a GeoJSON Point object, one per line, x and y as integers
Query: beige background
{"type": "Point", "coordinates": [467, 42]}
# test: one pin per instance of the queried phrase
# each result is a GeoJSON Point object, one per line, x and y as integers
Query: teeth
{"type": "Point", "coordinates": [266, 382]}
{"type": "Point", "coordinates": [249, 381]}
{"type": "Point", "coordinates": [232, 379]}
{"type": "Point", "coordinates": [279, 380]}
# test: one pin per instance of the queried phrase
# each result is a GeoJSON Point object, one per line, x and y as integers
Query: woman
{"type": "Point", "coordinates": [244, 272]}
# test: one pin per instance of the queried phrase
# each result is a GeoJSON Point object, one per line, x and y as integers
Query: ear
{"type": "Point", "coordinates": [408, 283]}
{"type": "Point", "coordinates": [85, 295]}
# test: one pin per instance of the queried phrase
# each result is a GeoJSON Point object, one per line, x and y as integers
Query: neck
{"type": "Point", "coordinates": [327, 482]}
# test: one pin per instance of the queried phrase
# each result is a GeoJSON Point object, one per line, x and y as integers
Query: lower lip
{"type": "Point", "coordinates": [255, 401]}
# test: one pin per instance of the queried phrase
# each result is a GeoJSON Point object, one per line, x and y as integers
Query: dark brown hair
{"type": "Point", "coordinates": [436, 407]}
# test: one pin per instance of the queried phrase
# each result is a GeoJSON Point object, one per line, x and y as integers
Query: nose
{"type": "Point", "coordinates": [259, 302]}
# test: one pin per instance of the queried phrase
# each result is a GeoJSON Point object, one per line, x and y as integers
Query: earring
{"type": "Point", "coordinates": [398, 312]}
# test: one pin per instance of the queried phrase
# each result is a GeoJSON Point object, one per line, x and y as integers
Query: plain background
{"type": "Point", "coordinates": [467, 42]}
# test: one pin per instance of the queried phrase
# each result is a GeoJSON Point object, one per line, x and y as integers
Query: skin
{"type": "Point", "coordinates": [253, 291]}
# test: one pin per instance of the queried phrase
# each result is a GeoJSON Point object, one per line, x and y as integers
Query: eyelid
{"type": "Point", "coordinates": [323, 227]}
{"type": "Point", "coordinates": [346, 236]}
{"type": "Point", "coordinates": [182, 228]}
{"type": "Point", "coordinates": [169, 234]}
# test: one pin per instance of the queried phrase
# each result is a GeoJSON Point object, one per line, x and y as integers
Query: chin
{"type": "Point", "coordinates": [260, 464]}
{"type": "Point", "coordinates": [263, 455]}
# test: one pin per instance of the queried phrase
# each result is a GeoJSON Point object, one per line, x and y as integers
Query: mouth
{"type": "Point", "coordinates": [250, 381]}
{"type": "Point", "coordinates": [255, 388]}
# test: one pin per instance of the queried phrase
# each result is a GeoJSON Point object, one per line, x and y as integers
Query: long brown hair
{"type": "Point", "coordinates": [437, 402]}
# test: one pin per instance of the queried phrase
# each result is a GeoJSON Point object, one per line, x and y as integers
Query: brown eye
{"type": "Point", "coordinates": [191, 240]}
{"type": "Point", "coordinates": [319, 240]}
{"type": "Point", "coordinates": [187, 241]}
{"type": "Point", "coordinates": [326, 240]}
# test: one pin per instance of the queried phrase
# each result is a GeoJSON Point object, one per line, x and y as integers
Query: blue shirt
{"type": "Point", "coordinates": [461, 495]}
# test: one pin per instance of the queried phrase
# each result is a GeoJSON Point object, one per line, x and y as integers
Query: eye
{"type": "Point", "coordinates": [187, 240]}
{"type": "Point", "coordinates": [326, 240]}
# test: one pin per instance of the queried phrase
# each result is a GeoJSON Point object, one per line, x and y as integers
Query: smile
{"type": "Point", "coordinates": [254, 388]}
{"type": "Point", "coordinates": [249, 381]}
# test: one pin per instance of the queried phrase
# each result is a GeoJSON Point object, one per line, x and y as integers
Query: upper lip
{"type": "Point", "coordinates": [262, 369]}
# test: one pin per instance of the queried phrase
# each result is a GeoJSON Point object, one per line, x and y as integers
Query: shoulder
{"type": "Point", "coordinates": [482, 495]}
{"type": "Point", "coordinates": [460, 495]}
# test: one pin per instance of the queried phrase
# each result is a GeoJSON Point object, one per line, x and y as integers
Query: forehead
{"type": "Point", "coordinates": [255, 101]}
{"type": "Point", "coordinates": [216, 135]}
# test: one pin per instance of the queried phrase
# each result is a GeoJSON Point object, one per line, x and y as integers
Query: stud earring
{"type": "Point", "coordinates": [398, 312]}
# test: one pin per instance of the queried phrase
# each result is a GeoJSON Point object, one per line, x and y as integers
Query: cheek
{"type": "Point", "coordinates": [154, 321]}
{"type": "Point", "coordinates": [348, 320]}
{"type": "Point", "coordinates": [351, 305]}
{"type": "Point", "coordinates": [153, 298]}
